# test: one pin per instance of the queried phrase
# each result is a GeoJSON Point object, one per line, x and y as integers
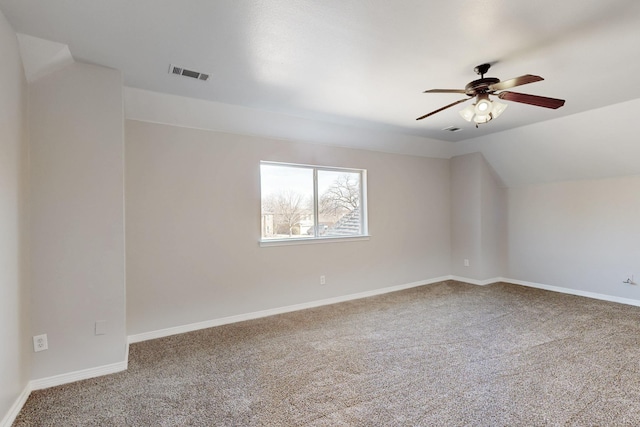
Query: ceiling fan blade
{"type": "Point", "coordinates": [443, 108]}
{"type": "Point", "coordinates": [518, 81]}
{"type": "Point", "coordinates": [444, 91]}
{"type": "Point", "coordinates": [538, 101]}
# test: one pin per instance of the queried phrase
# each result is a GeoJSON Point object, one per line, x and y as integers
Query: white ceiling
{"type": "Point", "coordinates": [356, 62]}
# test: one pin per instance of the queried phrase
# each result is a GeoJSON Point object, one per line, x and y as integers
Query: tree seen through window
{"type": "Point", "coordinates": [310, 202]}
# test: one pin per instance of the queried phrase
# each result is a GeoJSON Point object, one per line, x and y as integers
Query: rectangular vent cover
{"type": "Point", "coordinates": [180, 71]}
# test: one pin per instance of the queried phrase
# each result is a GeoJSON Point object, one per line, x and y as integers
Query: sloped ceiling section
{"type": "Point", "coordinates": [199, 114]}
{"type": "Point", "coordinates": [595, 144]}
{"type": "Point", "coordinates": [41, 57]}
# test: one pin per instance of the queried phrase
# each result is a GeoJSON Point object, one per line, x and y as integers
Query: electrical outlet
{"type": "Point", "coordinates": [40, 343]}
{"type": "Point", "coordinates": [466, 263]}
{"type": "Point", "coordinates": [323, 280]}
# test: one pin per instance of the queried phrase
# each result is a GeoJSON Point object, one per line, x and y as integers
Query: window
{"type": "Point", "coordinates": [301, 202]}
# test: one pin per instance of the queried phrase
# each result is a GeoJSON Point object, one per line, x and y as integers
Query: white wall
{"type": "Point", "coordinates": [478, 219]}
{"type": "Point", "coordinates": [580, 235]}
{"type": "Point", "coordinates": [193, 225]}
{"type": "Point", "coordinates": [76, 218]}
{"type": "Point", "coordinates": [14, 320]}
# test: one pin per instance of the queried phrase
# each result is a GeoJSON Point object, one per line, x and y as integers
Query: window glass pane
{"type": "Point", "coordinates": [287, 202]}
{"type": "Point", "coordinates": [339, 203]}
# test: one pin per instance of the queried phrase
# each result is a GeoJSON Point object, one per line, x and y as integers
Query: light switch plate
{"type": "Point", "coordinates": [101, 327]}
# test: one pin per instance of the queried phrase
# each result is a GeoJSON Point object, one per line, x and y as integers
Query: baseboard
{"type": "Point", "coordinates": [476, 282]}
{"type": "Point", "coordinates": [15, 409]}
{"type": "Point", "coordinates": [271, 312]}
{"type": "Point", "coordinates": [84, 374]}
{"type": "Point", "coordinates": [56, 380]}
{"type": "Point", "coordinates": [570, 291]}
{"type": "Point", "coordinates": [559, 289]}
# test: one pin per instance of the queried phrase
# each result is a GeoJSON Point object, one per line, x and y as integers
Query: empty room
{"type": "Point", "coordinates": [319, 213]}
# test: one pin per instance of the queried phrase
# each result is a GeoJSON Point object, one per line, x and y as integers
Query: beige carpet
{"type": "Point", "coordinates": [448, 354]}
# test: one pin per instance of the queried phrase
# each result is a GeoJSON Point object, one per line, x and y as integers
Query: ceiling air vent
{"type": "Point", "coordinates": [452, 129]}
{"type": "Point", "coordinates": [174, 69]}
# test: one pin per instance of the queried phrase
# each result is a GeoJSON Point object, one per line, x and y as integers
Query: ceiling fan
{"type": "Point", "coordinates": [484, 110]}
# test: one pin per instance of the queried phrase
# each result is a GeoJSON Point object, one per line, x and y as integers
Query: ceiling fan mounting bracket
{"type": "Point", "coordinates": [482, 69]}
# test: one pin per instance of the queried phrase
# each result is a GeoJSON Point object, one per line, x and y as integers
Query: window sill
{"type": "Point", "coordinates": [311, 241]}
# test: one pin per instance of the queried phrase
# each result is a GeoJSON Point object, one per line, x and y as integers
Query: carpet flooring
{"type": "Point", "coordinates": [447, 354]}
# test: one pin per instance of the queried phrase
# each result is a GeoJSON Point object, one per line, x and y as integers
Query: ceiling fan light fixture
{"type": "Point", "coordinates": [483, 111]}
{"type": "Point", "coordinates": [483, 105]}
{"type": "Point", "coordinates": [480, 112]}
{"type": "Point", "coordinates": [498, 108]}
{"type": "Point", "coordinates": [468, 112]}
{"type": "Point", "coordinates": [482, 118]}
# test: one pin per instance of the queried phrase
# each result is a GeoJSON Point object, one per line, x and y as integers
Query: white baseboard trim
{"type": "Point", "coordinates": [570, 291]}
{"type": "Point", "coordinates": [559, 289]}
{"type": "Point", "coordinates": [15, 409]}
{"type": "Point", "coordinates": [476, 282]}
{"type": "Point", "coordinates": [83, 374]}
{"type": "Point", "coordinates": [56, 380]}
{"type": "Point", "coordinates": [271, 312]}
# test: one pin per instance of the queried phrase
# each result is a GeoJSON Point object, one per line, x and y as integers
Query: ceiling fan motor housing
{"type": "Point", "coordinates": [480, 86]}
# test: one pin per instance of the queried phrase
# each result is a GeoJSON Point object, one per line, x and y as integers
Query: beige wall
{"type": "Point", "coordinates": [493, 223]}
{"type": "Point", "coordinates": [478, 219]}
{"type": "Point", "coordinates": [581, 235]}
{"type": "Point", "coordinates": [14, 306]}
{"type": "Point", "coordinates": [193, 225]}
{"type": "Point", "coordinates": [77, 218]}
{"type": "Point", "coordinates": [466, 207]}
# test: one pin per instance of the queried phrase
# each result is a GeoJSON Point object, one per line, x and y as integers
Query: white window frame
{"type": "Point", "coordinates": [321, 239]}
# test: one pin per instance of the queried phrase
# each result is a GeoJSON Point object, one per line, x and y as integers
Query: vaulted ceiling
{"type": "Point", "coordinates": [360, 63]}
